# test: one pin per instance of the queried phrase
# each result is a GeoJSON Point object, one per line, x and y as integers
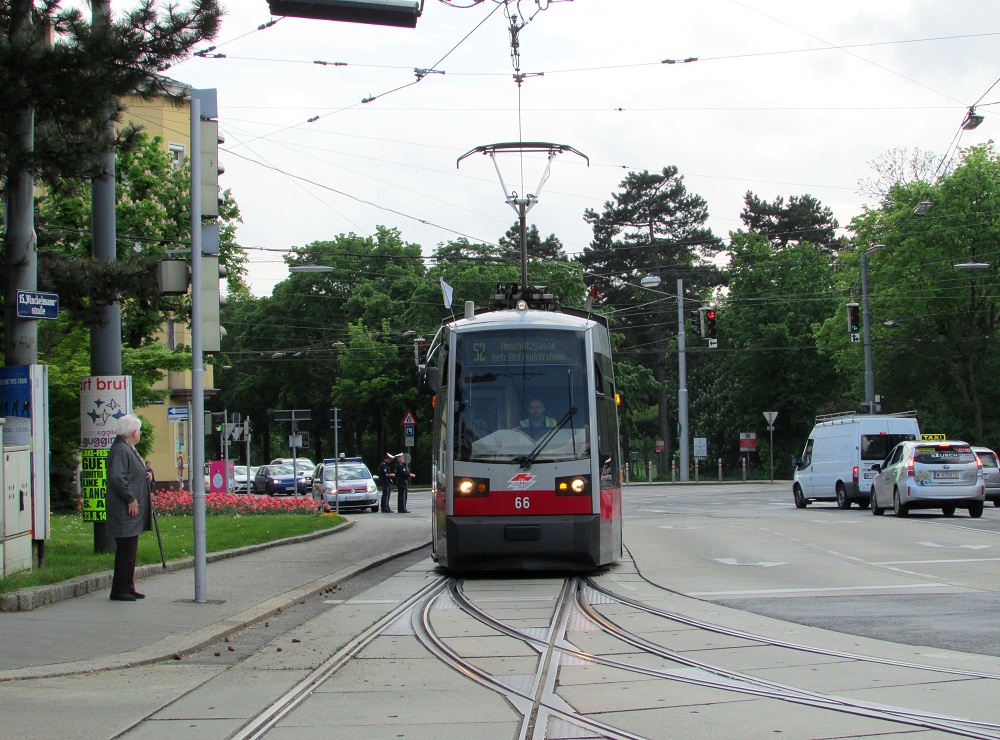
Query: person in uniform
{"type": "Point", "coordinates": [402, 475]}
{"type": "Point", "coordinates": [385, 476]}
{"type": "Point", "coordinates": [536, 424]}
{"type": "Point", "coordinates": [126, 505]}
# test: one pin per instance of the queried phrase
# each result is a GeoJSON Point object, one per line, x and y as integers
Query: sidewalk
{"type": "Point", "coordinates": [90, 632]}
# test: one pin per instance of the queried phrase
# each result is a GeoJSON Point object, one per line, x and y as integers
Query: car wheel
{"type": "Point", "coordinates": [976, 509]}
{"type": "Point", "coordinates": [876, 509]}
{"type": "Point", "coordinates": [996, 502]}
{"type": "Point", "coordinates": [375, 508]}
{"type": "Point", "coordinates": [898, 506]}
{"type": "Point", "coordinates": [948, 510]}
{"type": "Point", "coordinates": [842, 501]}
{"type": "Point", "coordinates": [800, 501]}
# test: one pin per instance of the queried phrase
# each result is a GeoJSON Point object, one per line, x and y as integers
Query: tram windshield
{"type": "Point", "coordinates": [521, 396]}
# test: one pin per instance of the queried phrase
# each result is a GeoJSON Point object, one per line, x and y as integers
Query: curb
{"type": "Point", "coordinates": [38, 596]}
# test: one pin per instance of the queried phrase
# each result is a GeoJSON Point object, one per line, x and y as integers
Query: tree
{"type": "Point", "coordinates": [548, 249]}
{"type": "Point", "coordinates": [74, 84]}
{"type": "Point", "coordinates": [938, 353]}
{"type": "Point", "coordinates": [654, 226]}
{"type": "Point", "coordinates": [803, 219]}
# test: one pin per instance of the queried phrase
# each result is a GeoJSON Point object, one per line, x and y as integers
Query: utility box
{"type": "Point", "coordinates": [16, 525]}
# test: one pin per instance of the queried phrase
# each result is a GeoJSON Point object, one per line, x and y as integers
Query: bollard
{"type": "Point", "coordinates": [720, 470]}
{"type": "Point", "coordinates": [649, 470]}
{"type": "Point", "coordinates": [743, 464]}
{"type": "Point", "coordinates": [697, 465]}
{"type": "Point", "coordinates": [673, 472]}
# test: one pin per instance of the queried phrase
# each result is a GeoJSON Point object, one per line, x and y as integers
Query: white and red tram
{"type": "Point", "coordinates": [510, 491]}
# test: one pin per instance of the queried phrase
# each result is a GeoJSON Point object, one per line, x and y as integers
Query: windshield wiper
{"type": "Point", "coordinates": [528, 459]}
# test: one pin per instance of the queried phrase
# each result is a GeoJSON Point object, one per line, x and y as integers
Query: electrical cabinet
{"type": "Point", "coordinates": [16, 509]}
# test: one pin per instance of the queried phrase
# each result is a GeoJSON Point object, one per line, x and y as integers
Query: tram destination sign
{"type": "Point", "coordinates": [34, 305]}
{"type": "Point", "coordinates": [502, 348]}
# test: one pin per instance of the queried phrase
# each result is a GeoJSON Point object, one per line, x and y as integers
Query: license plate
{"type": "Point", "coordinates": [870, 475]}
{"type": "Point", "coordinates": [945, 475]}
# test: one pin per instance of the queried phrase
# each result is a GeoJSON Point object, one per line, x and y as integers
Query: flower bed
{"type": "Point", "coordinates": [180, 503]}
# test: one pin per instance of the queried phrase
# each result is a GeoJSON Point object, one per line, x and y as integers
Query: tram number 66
{"type": "Point", "coordinates": [522, 502]}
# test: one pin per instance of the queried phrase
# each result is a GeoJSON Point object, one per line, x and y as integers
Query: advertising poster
{"type": "Point", "coordinates": [15, 404]}
{"type": "Point", "coordinates": [24, 405]}
{"type": "Point", "coordinates": [104, 399]}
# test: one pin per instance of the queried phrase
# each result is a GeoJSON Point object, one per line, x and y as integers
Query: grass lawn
{"type": "Point", "coordinates": [70, 551]}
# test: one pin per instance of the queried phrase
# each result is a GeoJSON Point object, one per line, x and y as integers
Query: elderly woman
{"type": "Point", "coordinates": [126, 505]}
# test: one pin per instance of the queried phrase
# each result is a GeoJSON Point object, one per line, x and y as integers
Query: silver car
{"type": "Point", "coordinates": [944, 475]}
{"type": "Point", "coordinates": [346, 479]}
{"type": "Point", "coordinates": [991, 473]}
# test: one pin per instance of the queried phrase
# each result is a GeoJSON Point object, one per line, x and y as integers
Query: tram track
{"type": "Point", "coordinates": [538, 698]}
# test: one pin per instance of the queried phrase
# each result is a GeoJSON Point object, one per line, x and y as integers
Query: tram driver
{"type": "Point", "coordinates": [536, 424]}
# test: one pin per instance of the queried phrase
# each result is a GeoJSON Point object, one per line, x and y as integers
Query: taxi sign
{"type": "Point", "coordinates": [932, 437]}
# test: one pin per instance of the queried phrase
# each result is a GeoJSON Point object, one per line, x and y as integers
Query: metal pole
{"type": "Point", "coordinates": [197, 453]}
{"type": "Point", "coordinates": [522, 212]}
{"type": "Point", "coordinates": [684, 441]}
{"type": "Point", "coordinates": [770, 428]}
{"type": "Point", "coordinates": [336, 453]}
{"type": "Point", "coordinates": [866, 330]}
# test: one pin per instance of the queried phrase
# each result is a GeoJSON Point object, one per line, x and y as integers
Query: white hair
{"type": "Point", "coordinates": [127, 425]}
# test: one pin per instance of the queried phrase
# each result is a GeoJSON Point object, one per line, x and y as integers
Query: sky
{"type": "Point", "coordinates": [785, 98]}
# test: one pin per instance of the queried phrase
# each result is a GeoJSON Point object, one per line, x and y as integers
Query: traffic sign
{"type": "Point", "coordinates": [748, 441]}
{"type": "Point", "coordinates": [770, 416]}
{"type": "Point", "coordinates": [701, 447]}
{"type": "Point", "coordinates": [177, 413]}
{"type": "Point", "coordinates": [408, 419]}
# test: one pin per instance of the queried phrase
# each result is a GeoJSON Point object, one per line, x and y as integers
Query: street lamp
{"type": "Point", "coordinates": [866, 320]}
{"type": "Point", "coordinates": [310, 268]}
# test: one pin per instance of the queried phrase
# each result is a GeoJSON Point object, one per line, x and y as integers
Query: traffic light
{"type": "Point", "coordinates": [696, 322]}
{"type": "Point", "coordinates": [211, 300]}
{"type": "Point", "coordinates": [708, 319]}
{"type": "Point", "coordinates": [210, 168]}
{"type": "Point", "coordinates": [853, 319]}
{"type": "Point", "coordinates": [400, 13]}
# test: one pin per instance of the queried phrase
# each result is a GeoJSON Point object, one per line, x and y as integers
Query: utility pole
{"type": "Point", "coordinates": [684, 436]}
{"type": "Point", "coordinates": [20, 242]}
{"type": "Point", "coordinates": [106, 333]}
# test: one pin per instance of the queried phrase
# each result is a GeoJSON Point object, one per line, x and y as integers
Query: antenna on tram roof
{"type": "Point", "coordinates": [520, 205]}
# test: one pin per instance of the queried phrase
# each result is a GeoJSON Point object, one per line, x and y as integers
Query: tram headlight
{"type": "Point", "coordinates": [573, 485]}
{"type": "Point", "coordinates": [469, 487]}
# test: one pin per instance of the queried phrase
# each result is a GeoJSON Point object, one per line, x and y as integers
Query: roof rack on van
{"type": "Point", "coordinates": [852, 414]}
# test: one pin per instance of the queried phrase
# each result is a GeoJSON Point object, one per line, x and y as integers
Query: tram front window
{"type": "Point", "coordinates": [520, 394]}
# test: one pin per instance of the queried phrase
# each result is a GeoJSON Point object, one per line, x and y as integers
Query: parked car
{"type": "Point", "coordinates": [348, 477]}
{"type": "Point", "coordinates": [243, 478]}
{"type": "Point", "coordinates": [929, 475]}
{"type": "Point", "coordinates": [276, 480]}
{"type": "Point", "coordinates": [836, 461]}
{"type": "Point", "coordinates": [303, 465]}
{"type": "Point", "coordinates": [991, 473]}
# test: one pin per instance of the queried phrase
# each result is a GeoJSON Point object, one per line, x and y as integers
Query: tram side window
{"type": "Point", "coordinates": [607, 442]}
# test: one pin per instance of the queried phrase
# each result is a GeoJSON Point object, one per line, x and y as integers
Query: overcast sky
{"type": "Point", "coordinates": [786, 98]}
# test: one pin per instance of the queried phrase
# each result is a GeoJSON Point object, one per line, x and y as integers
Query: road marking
{"type": "Point", "coordinates": [687, 529]}
{"type": "Point", "coordinates": [955, 547]}
{"type": "Point", "coordinates": [734, 561]}
{"type": "Point", "coordinates": [931, 562]}
{"type": "Point", "coordinates": [813, 590]}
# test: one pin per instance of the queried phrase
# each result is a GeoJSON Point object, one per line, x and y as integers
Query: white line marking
{"type": "Point", "coordinates": [814, 590]}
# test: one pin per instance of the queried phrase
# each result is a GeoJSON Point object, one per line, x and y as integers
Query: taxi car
{"type": "Point", "coordinates": [940, 474]}
{"type": "Point", "coordinates": [348, 479]}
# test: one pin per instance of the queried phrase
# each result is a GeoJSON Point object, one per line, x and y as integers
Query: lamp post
{"type": "Point", "coordinates": [866, 320]}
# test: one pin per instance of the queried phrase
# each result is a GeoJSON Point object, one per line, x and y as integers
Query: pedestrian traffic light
{"type": "Point", "coordinates": [853, 319]}
{"type": "Point", "coordinates": [709, 331]}
{"type": "Point", "coordinates": [696, 322]}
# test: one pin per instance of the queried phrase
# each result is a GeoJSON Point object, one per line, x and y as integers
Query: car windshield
{"type": "Point", "coordinates": [943, 454]}
{"type": "Point", "coordinates": [348, 471]}
{"type": "Point", "coordinates": [240, 470]}
{"type": "Point", "coordinates": [877, 446]}
{"type": "Point", "coordinates": [989, 459]}
{"type": "Point", "coordinates": [521, 393]}
{"type": "Point", "coordinates": [279, 470]}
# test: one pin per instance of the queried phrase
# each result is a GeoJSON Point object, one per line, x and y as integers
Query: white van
{"type": "Point", "coordinates": [837, 458]}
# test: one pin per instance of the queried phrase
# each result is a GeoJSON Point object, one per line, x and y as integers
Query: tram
{"type": "Point", "coordinates": [525, 464]}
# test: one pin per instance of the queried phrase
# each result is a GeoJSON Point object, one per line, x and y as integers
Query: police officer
{"type": "Point", "coordinates": [402, 475]}
{"type": "Point", "coordinates": [385, 476]}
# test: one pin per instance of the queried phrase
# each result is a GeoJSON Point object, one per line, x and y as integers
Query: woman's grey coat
{"type": "Point", "coordinates": [126, 483]}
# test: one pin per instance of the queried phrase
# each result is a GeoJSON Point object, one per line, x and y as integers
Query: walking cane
{"type": "Point", "coordinates": [156, 526]}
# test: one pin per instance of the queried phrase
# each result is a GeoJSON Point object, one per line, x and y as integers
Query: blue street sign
{"type": "Point", "coordinates": [177, 413]}
{"type": "Point", "coordinates": [34, 305]}
{"type": "Point", "coordinates": [408, 431]}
